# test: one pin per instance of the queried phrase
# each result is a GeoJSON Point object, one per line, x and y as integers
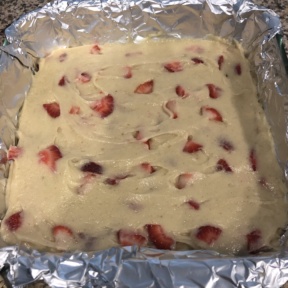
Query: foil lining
{"type": "Point", "coordinates": [75, 22]}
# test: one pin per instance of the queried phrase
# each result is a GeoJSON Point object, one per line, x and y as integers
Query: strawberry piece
{"type": "Point", "coordinates": [171, 106]}
{"type": "Point", "coordinates": [129, 238]}
{"type": "Point", "coordinates": [253, 239]}
{"type": "Point", "coordinates": [104, 107]}
{"type": "Point", "coordinates": [145, 88]}
{"type": "Point", "coordinates": [226, 145]}
{"type": "Point", "coordinates": [180, 91]}
{"type": "Point", "coordinates": [62, 57]}
{"type": "Point", "coordinates": [49, 156]}
{"type": "Point", "coordinates": [193, 204]}
{"type": "Point", "coordinates": [191, 146]}
{"type": "Point", "coordinates": [138, 136]}
{"type": "Point", "coordinates": [63, 81]}
{"type": "Point", "coordinates": [173, 67]}
{"type": "Point", "coordinates": [214, 91]}
{"type": "Point", "coordinates": [62, 233]}
{"type": "Point", "coordinates": [53, 109]}
{"type": "Point", "coordinates": [74, 110]}
{"type": "Point", "coordinates": [116, 180]}
{"type": "Point", "coordinates": [14, 221]}
{"type": "Point", "coordinates": [238, 69]}
{"type": "Point", "coordinates": [95, 49]}
{"type": "Point", "coordinates": [14, 152]}
{"type": "Point", "coordinates": [197, 60]}
{"type": "Point", "coordinates": [208, 234]}
{"type": "Point", "coordinates": [148, 167]}
{"type": "Point", "coordinates": [84, 77]}
{"type": "Point", "coordinates": [220, 61]}
{"type": "Point", "coordinates": [158, 237]}
{"type": "Point", "coordinates": [92, 167]}
{"type": "Point", "coordinates": [127, 72]}
{"type": "Point", "coordinates": [182, 180]}
{"type": "Point", "coordinates": [253, 160]}
{"type": "Point", "coordinates": [214, 113]}
{"type": "Point", "coordinates": [222, 165]}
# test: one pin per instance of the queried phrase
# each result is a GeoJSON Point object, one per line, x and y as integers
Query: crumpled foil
{"type": "Point", "coordinates": [76, 22]}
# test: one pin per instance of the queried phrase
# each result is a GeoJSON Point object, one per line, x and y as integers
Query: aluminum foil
{"type": "Point", "coordinates": [73, 23]}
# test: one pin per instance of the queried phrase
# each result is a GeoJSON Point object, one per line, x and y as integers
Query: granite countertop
{"type": "Point", "coordinates": [10, 10]}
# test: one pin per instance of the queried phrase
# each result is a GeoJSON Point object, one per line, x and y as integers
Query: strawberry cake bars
{"type": "Point", "coordinates": [161, 144]}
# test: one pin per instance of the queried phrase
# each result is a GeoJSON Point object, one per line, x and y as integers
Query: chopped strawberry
{"type": "Point", "coordinates": [62, 234]}
{"type": "Point", "coordinates": [74, 110]}
{"type": "Point", "coordinates": [92, 167]}
{"type": "Point", "coordinates": [214, 113]}
{"type": "Point", "coordinates": [158, 237]}
{"type": "Point", "coordinates": [253, 240]}
{"type": "Point", "coordinates": [222, 165]}
{"type": "Point", "coordinates": [138, 136]}
{"type": "Point", "coordinates": [226, 145]}
{"type": "Point", "coordinates": [95, 49]}
{"type": "Point", "coordinates": [208, 234]}
{"type": "Point", "coordinates": [116, 180]}
{"type": "Point", "coordinates": [14, 152]}
{"type": "Point", "coordinates": [145, 88]}
{"type": "Point", "coordinates": [253, 160]}
{"type": "Point", "coordinates": [174, 67]}
{"type": "Point", "coordinates": [193, 204]}
{"type": "Point", "coordinates": [104, 107]}
{"type": "Point", "coordinates": [127, 72]}
{"type": "Point", "coordinates": [63, 81]}
{"type": "Point", "coordinates": [191, 146]}
{"type": "Point", "coordinates": [148, 167]}
{"type": "Point", "coordinates": [238, 69]}
{"type": "Point", "coordinates": [220, 61]}
{"type": "Point", "coordinates": [62, 57]}
{"type": "Point", "coordinates": [14, 221]}
{"type": "Point", "coordinates": [53, 109]}
{"type": "Point", "coordinates": [171, 106]}
{"type": "Point", "coordinates": [182, 180]}
{"type": "Point", "coordinates": [84, 77]}
{"type": "Point", "coordinates": [197, 60]}
{"type": "Point", "coordinates": [180, 91]}
{"type": "Point", "coordinates": [214, 91]}
{"type": "Point", "coordinates": [49, 156]}
{"type": "Point", "coordinates": [129, 238]}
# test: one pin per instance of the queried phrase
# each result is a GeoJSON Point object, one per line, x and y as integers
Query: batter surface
{"type": "Point", "coordinates": [159, 143]}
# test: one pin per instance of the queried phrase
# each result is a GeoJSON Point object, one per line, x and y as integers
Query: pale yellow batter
{"type": "Point", "coordinates": [176, 136]}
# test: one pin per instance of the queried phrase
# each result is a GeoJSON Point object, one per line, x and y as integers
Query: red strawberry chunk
{"type": "Point", "coordinates": [49, 156]}
{"type": "Point", "coordinates": [180, 91]}
{"type": "Point", "coordinates": [253, 240]}
{"type": "Point", "coordinates": [145, 88]}
{"type": "Point", "coordinates": [193, 204]}
{"type": "Point", "coordinates": [84, 77]}
{"type": "Point", "coordinates": [127, 72]}
{"type": "Point", "coordinates": [220, 61]}
{"type": "Point", "coordinates": [95, 49]}
{"type": "Point", "coordinates": [53, 109]}
{"type": "Point", "coordinates": [197, 60]}
{"type": "Point", "coordinates": [129, 238]}
{"type": "Point", "coordinates": [192, 146]}
{"type": "Point", "coordinates": [63, 81]}
{"type": "Point", "coordinates": [158, 237]}
{"type": "Point", "coordinates": [253, 160]}
{"type": "Point", "coordinates": [183, 180]}
{"type": "Point", "coordinates": [116, 180]}
{"type": "Point", "coordinates": [222, 165]}
{"type": "Point", "coordinates": [14, 152]}
{"type": "Point", "coordinates": [208, 234]}
{"type": "Point", "coordinates": [238, 69]}
{"type": "Point", "coordinates": [214, 91]}
{"type": "Point", "coordinates": [62, 234]}
{"type": "Point", "coordinates": [214, 113]}
{"type": "Point", "coordinates": [226, 145]}
{"type": "Point", "coordinates": [14, 221]}
{"type": "Point", "coordinates": [74, 110]}
{"type": "Point", "coordinates": [175, 66]}
{"type": "Point", "coordinates": [104, 107]}
{"type": "Point", "coordinates": [92, 167]}
{"type": "Point", "coordinates": [148, 167]}
{"type": "Point", "coordinates": [138, 136]}
{"type": "Point", "coordinates": [171, 106]}
{"type": "Point", "coordinates": [62, 57]}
